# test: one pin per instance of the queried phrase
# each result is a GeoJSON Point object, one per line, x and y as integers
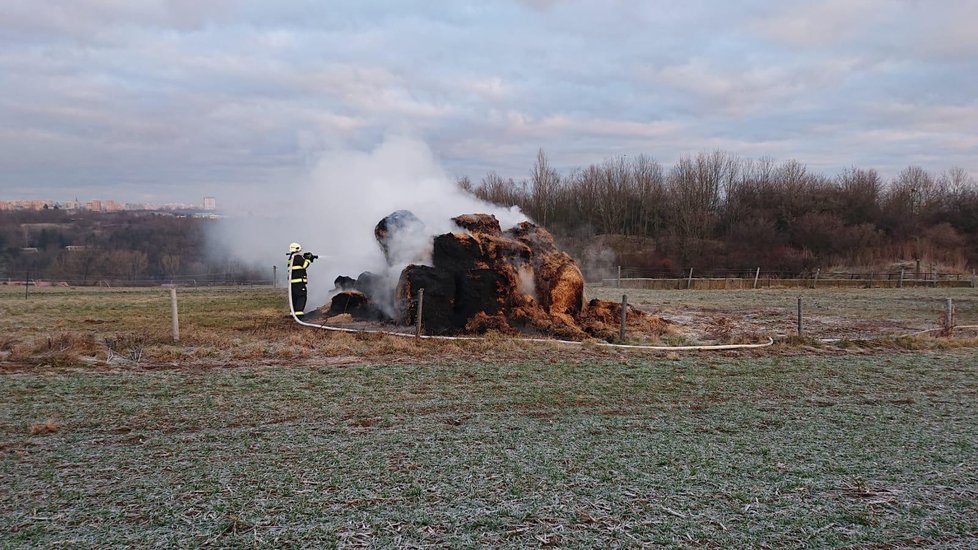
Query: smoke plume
{"type": "Point", "coordinates": [333, 209]}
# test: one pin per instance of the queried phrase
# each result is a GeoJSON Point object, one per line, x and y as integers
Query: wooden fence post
{"type": "Point", "coordinates": [756, 275]}
{"type": "Point", "coordinates": [173, 312]}
{"type": "Point", "coordinates": [799, 317]}
{"type": "Point", "coordinates": [900, 284]}
{"type": "Point", "coordinates": [624, 314]}
{"type": "Point", "coordinates": [815, 282]}
{"type": "Point", "coordinates": [950, 317]}
{"type": "Point", "coordinates": [274, 276]}
{"type": "Point", "coordinates": [417, 329]}
{"type": "Point", "coordinates": [689, 281]}
{"type": "Point", "coordinates": [619, 276]}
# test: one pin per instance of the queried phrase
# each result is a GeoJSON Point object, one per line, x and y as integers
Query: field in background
{"type": "Point", "coordinates": [85, 326]}
{"type": "Point", "coordinates": [827, 313]}
{"type": "Point", "coordinates": [254, 431]}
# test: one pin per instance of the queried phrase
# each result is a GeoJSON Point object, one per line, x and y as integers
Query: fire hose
{"type": "Point", "coordinates": [717, 347]}
{"type": "Point", "coordinates": [908, 335]}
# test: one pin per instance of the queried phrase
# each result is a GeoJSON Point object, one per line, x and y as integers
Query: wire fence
{"type": "Point", "coordinates": [692, 278]}
{"type": "Point", "coordinates": [209, 279]}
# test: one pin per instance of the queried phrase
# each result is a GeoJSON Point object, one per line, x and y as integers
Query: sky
{"type": "Point", "coordinates": [171, 100]}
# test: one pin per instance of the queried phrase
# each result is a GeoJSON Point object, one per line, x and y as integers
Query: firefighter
{"type": "Point", "coordinates": [298, 263]}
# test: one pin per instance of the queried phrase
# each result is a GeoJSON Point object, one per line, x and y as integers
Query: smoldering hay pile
{"type": "Point", "coordinates": [481, 278]}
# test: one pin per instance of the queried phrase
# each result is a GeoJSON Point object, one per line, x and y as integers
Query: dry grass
{"type": "Point", "coordinates": [49, 426]}
{"type": "Point", "coordinates": [118, 328]}
{"type": "Point", "coordinates": [854, 314]}
{"type": "Point", "coordinates": [130, 328]}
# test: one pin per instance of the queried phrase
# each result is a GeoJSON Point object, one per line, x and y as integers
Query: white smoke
{"type": "Point", "coordinates": [333, 210]}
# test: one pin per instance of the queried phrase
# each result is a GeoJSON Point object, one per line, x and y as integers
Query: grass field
{"type": "Point", "coordinates": [253, 432]}
{"type": "Point", "coordinates": [828, 313]}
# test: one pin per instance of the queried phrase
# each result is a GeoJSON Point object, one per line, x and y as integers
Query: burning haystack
{"type": "Point", "coordinates": [481, 278]}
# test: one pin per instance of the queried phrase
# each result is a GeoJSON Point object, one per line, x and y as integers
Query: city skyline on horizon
{"type": "Point", "coordinates": [103, 204]}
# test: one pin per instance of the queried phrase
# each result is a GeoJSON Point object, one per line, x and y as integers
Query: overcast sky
{"type": "Point", "coordinates": [174, 99]}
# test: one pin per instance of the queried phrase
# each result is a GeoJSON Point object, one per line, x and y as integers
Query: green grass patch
{"type": "Point", "coordinates": [714, 451]}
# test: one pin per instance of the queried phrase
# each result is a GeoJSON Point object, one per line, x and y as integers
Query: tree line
{"type": "Point", "coordinates": [89, 247]}
{"type": "Point", "coordinates": [709, 211]}
{"type": "Point", "coordinates": [716, 210]}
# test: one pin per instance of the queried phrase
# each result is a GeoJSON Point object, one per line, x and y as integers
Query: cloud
{"type": "Point", "coordinates": [821, 23]}
{"type": "Point", "coordinates": [105, 97]}
{"type": "Point", "coordinates": [904, 29]}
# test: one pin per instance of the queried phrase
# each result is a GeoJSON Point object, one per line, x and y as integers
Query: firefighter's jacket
{"type": "Point", "coordinates": [297, 269]}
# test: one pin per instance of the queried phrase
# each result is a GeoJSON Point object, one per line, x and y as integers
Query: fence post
{"type": "Point", "coordinates": [756, 275]}
{"type": "Point", "coordinates": [417, 329]}
{"type": "Point", "coordinates": [624, 314]}
{"type": "Point", "coordinates": [619, 276]}
{"type": "Point", "coordinates": [799, 316]}
{"type": "Point", "coordinates": [900, 284]}
{"type": "Point", "coordinates": [950, 317]}
{"type": "Point", "coordinates": [972, 278]}
{"type": "Point", "coordinates": [27, 284]}
{"type": "Point", "coordinates": [173, 312]}
{"type": "Point", "coordinates": [689, 281]}
{"type": "Point", "coordinates": [274, 276]}
{"type": "Point", "coordinates": [815, 282]}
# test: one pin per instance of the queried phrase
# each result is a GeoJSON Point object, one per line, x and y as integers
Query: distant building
{"type": "Point", "coordinates": [106, 205]}
{"type": "Point", "coordinates": [29, 204]}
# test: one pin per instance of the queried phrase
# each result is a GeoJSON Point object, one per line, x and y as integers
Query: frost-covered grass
{"type": "Point", "coordinates": [916, 305]}
{"type": "Point", "coordinates": [828, 312]}
{"type": "Point", "coordinates": [707, 451]}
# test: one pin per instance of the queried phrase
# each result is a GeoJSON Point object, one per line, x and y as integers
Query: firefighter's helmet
{"type": "Point", "coordinates": [295, 247]}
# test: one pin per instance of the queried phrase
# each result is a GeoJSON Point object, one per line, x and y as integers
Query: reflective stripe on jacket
{"type": "Point", "coordinates": [297, 269]}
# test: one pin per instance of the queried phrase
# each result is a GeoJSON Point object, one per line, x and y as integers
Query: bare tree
{"type": "Point", "coordinates": [170, 264]}
{"type": "Point", "coordinates": [859, 195]}
{"type": "Point", "coordinates": [696, 187]}
{"type": "Point", "coordinates": [956, 182]}
{"type": "Point", "coordinates": [87, 263]}
{"type": "Point", "coordinates": [612, 195]}
{"type": "Point", "coordinates": [920, 185]}
{"type": "Point", "coordinates": [543, 193]}
{"type": "Point", "coordinates": [138, 262]}
{"type": "Point", "coordinates": [495, 189]}
{"type": "Point", "coordinates": [650, 196]}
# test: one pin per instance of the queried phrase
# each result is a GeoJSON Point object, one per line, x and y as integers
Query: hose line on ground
{"type": "Point", "coordinates": [717, 347]}
{"type": "Point", "coordinates": [909, 335]}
